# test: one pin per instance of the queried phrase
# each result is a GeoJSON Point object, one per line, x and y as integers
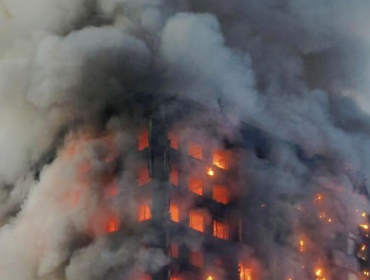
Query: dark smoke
{"type": "Point", "coordinates": [293, 68]}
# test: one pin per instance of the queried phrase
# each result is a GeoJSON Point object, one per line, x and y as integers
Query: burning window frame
{"type": "Point", "coordinates": [174, 211]}
{"type": "Point", "coordinates": [194, 215]}
{"type": "Point", "coordinates": [221, 159]}
{"type": "Point", "coordinates": [113, 224]}
{"type": "Point", "coordinates": [173, 139]}
{"type": "Point", "coordinates": [144, 211]}
{"type": "Point", "coordinates": [192, 185]}
{"type": "Point", "coordinates": [223, 198]}
{"type": "Point", "coordinates": [195, 150]}
{"type": "Point", "coordinates": [143, 139]}
{"type": "Point", "coordinates": [220, 229]}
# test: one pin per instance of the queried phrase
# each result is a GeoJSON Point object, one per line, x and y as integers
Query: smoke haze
{"type": "Point", "coordinates": [296, 69]}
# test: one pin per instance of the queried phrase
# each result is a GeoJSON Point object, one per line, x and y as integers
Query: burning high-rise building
{"type": "Point", "coordinates": [187, 192]}
{"type": "Point", "coordinates": [184, 139]}
{"type": "Point", "coordinates": [186, 198]}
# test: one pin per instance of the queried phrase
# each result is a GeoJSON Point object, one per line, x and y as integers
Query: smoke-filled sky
{"type": "Point", "coordinates": [297, 69]}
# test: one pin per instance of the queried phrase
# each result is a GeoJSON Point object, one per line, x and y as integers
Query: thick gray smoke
{"type": "Point", "coordinates": [296, 69]}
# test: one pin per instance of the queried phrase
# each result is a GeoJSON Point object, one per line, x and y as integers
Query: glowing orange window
{"type": "Point", "coordinates": [196, 220]}
{"type": "Point", "coordinates": [143, 140]}
{"type": "Point", "coordinates": [174, 140]}
{"type": "Point", "coordinates": [221, 158]}
{"type": "Point", "coordinates": [221, 194]}
{"type": "Point", "coordinates": [144, 212]}
{"type": "Point", "coordinates": [174, 250]}
{"type": "Point", "coordinates": [220, 230]}
{"type": "Point", "coordinates": [174, 177]}
{"type": "Point", "coordinates": [196, 258]}
{"type": "Point", "coordinates": [143, 176]}
{"type": "Point", "coordinates": [245, 273]}
{"type": "Point", "coordinates": [174, 212]}
{"type": "Point", "coordinates": [195, 150]}
{"type": "Point", "coordinates": [195, 186]}
{"type": "Point", "coordinates": [112, 225]}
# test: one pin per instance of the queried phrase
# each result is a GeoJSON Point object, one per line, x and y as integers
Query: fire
{"type": "Point", "coordinates": [196, 220]}
{"type": "Point", "coordinates": [245, 273]}
{"type": "Point", "coordinates": [195, 150]}
{"type": "Point", "coordinates": [318, 197]}
{"type": "Point", "coordinates": [363, 247]}
{"type": "Point", "coordinates": [366, 273]}
{"type": "Point", "coordinates": [301, 245]}
{"type": "Point", "coordinates": [365, 226]}
{"type": "Point", "coordinates": [210, 277]}
{"type": "Point", "coordinates": [319, 272]}
{"type": "Point", "coordinates": [363, 214]}
{"type": "Point", "coordinates": [174, 140]}
{"type": "Point", "coordinates": [210, 172]}
{"type": "Point", "coordinates": [143, 142]}
{"type": "Point", "coordinates": [221, 194]}
{"type": "Point", "coordinates": [220, 159]}
{"type": "Point", "coordinates": [322, 215]}
{"type": "Point", "coordinates": [144, 212]}
{"type": "Point", "coordinates": [174, 212]}
{"type": "Point", "coordinates": [112, 225]}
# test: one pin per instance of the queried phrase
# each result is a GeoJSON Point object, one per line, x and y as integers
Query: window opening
{"type": "Point", "coordinates": [221, 159]}
{"type": "Point", "coordinates": [221, 194]}
{"type": "Point", "coordinates": [196, 185]}
{"type": "Point", "coordinates": [144, 212]}
{"type": "Point", "coordinates": [196, 220]}
{"type": "Point", "coordinates": [174, 212]}
{"type": "Point", "coordinates": [112, 225]}
{"type": "Point", "coordinates": [220, 230]}
{"type": "Point", "coordinates": [195, 150]}
{"type": "Point", "coordinates": [143, 139]}
{"type": "Point", "coordinates": [174, 140]}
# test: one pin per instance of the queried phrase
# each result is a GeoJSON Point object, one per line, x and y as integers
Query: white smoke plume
{"type": "Point", "coordinates": [296, 69]}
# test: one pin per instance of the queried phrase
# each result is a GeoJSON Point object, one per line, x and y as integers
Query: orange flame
{"type": "Point", "coordinates": [210, 172]}
{"type": "Point", "coordinates": [301, 245]}
{"type": "Point", "coordinates": [112, 225]}
{"type": "Point", "coordinates": [245, 273]}
{"type": "Point", "coordinates": [365, 226]}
